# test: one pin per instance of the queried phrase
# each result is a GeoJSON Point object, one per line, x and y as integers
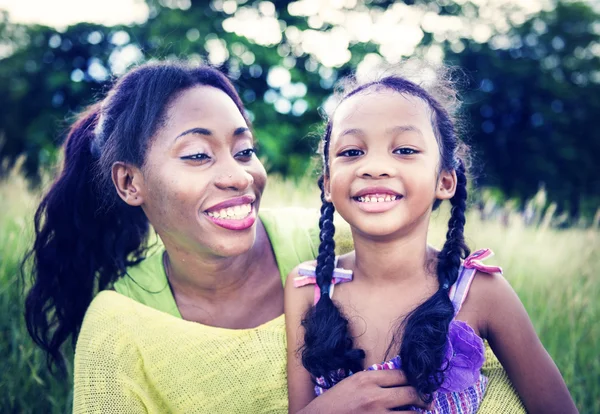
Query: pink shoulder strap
{"type": "Point", "coordinates": [307, 276]}
{"type": "Point", "coordinates": [459, 290]}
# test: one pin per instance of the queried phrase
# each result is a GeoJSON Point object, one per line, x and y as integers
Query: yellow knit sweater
{"type": "Point", "coordinates": [133, 359]}
{"type": "Point", "coordinates": [136, 355]}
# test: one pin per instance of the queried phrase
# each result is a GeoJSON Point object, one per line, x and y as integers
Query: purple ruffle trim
{"type": "Point", "coordinates": [465, 354]}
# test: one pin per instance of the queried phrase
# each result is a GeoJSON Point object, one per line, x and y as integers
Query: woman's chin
{"type": "Point", "coordinates": [235, 245]}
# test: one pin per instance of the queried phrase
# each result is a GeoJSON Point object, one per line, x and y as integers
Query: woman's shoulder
{"type": "Point", "coordinates": [112, 312]}
{"type": "Point", "coordinates": [110, 331]}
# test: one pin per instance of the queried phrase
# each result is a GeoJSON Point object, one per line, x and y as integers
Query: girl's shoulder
{"type": "Point", "coordinates": [486, 292]}
{"type": "Point", "coordinates": [305, 275]}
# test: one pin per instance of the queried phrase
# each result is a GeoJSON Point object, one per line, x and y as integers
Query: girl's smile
{"type": "Point", "coordinates": [377, 199]}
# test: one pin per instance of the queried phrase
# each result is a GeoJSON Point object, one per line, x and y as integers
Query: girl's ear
{"type": "Point", "coordinates": [129, 183]}
{"type": "Point", "coordinates": [326, 188]}
{"type": "Point", "coordinates": [446, 185]}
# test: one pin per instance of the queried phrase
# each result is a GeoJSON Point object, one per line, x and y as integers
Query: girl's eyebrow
{"type": "Point", "coordinates": [352, 131]}
{"type": "Point", "coordinates": [404, 128]}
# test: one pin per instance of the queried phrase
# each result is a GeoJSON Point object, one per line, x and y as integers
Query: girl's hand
{"type": "Point", "coordinates": [368, 392]}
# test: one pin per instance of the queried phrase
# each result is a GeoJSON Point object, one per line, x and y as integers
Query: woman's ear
{"type": "Point", "coordinates": [446, 185]}
{"type": "Point", "coordinates": [129, 183]}
{"type": "Point", "coordinates": [326, 188]}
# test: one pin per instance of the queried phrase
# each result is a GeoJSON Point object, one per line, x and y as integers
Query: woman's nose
{"type": "Point", "coordinates": [234, 176]}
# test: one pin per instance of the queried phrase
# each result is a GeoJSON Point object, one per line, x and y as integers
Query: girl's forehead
{"type": "Point", "coordinates": [379, 107]}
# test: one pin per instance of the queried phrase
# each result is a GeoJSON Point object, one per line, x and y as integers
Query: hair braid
{"type": "Point", "coordinates": [328, 345]}
{"type": "Point", "coordinates": [455, 248]}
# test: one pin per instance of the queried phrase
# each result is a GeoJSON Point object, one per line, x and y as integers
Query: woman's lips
{"type": "Point", "coordinates": [235, 224]}
{"type": "Point", "coordinates": [234, 217]}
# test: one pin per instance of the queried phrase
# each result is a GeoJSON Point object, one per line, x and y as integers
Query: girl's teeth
{"type": "Point", "coordinates": [377, 199]}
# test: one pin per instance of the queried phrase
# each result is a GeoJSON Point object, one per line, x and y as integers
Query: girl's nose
{"type": "Point", "coordinates": [376, 166]}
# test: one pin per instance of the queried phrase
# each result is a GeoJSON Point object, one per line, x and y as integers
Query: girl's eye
{"type": "Point", "coordinates": [351, 153]}
{"type": "Point", "coordinates": [196, 157]}
{"type": "Point", "coordinates": [247, 153]}
{"type": "Point", "coordinates": [406, 151]}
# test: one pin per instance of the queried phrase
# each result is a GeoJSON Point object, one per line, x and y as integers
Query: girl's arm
{"type": "Point", "coordinates": [372, 391]}
{"type": "Point", "coordinates": [506, 325]}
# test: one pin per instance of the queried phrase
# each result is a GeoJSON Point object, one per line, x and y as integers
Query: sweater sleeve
{"type": "Point", "coordinates": [108, 369]}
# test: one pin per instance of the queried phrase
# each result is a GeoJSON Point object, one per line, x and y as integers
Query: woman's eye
{"type": "Point", "coordinates": [406, 151]}
{"type": "Point", "coordinates": [350, 153]}
{"type": "Point", "coordinates": [196, 157]}
{"type": "Point", "coordinates": [247, 153]}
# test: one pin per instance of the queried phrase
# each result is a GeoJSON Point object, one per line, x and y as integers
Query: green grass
{"type": "Point", "coordinates": [554, 273]}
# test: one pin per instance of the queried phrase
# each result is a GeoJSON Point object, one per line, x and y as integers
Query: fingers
{"type": "Point", "coordinates": [405, 396]}
{"type": "Point", "coordinates": [385, 378]}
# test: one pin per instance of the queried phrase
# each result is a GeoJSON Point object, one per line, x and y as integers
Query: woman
{"type": "Point", "coordinates": [196, 326]}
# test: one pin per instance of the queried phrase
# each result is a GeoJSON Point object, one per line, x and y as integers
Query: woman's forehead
{"type": "Point", "coordinates": [202, 103]}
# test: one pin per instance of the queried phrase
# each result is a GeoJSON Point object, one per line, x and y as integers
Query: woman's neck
{"type": "Point", "coordinates": [198, 275]}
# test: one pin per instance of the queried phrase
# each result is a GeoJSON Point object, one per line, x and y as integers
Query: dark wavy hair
{"type": "Point", "coordinates": [328, 349]}
{"type": "Point", "coordinates": [85, 235]}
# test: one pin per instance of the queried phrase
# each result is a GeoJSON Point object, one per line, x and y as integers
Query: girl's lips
{"type": "Point", "coordinates": [377, 207]}
{"type": "Point", "coordinates": [235, 224]}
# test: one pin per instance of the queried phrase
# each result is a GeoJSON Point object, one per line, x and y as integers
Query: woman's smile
{"type": "Point", "coordinates": [233, 214]}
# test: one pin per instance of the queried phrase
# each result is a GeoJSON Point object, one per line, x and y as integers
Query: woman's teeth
{"type": "Point", "coordinates": [234, 213]}
{"type": "Point", "coordinates": [377, 198]}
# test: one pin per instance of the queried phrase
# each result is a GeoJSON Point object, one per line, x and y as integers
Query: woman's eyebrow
{"type": "Point", "coordinates": [240, 131]}
{"type": "Point", "coordinates": [199, 131]}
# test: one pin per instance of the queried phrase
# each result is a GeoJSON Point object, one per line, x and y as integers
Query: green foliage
{"type": "Point", "coordinates": [27, 385]}
{"type": "Point", "coordinates": [532, 103]}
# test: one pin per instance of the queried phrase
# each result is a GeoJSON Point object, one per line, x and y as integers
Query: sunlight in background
{"type": "Point", "coordinates": [334, 26]}
{"type": "Point", "coordinates": [62, 13]}
{"type": "Point", "coordinates": [352, 22]}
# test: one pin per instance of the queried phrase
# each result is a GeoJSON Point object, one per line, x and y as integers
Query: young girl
{"type": "Point", "coordinates": [391, 156]}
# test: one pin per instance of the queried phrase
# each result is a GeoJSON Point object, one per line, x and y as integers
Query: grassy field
{"type": "Point", "coordinates": [554, 273]}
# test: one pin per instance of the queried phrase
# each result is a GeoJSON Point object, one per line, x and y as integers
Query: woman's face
{"type": "Point", "coordinates": [202, 181]}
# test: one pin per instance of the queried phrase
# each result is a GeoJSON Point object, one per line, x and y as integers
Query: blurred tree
{"type": "Point", "coordinates": [47, 77]}
{"type": "Point", "coordinates": [530, 104]}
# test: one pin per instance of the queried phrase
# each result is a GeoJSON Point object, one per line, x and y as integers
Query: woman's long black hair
{"type": "Point", "coordinates": [85, 235]}
{"type": "Point", "coordinates": [328, 349]}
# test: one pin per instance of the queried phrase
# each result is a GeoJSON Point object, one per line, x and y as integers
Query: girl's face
{"type": "Point", "coordinates": [384, 163]}
{"type": "Point", "coordinates": [202, 182]}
